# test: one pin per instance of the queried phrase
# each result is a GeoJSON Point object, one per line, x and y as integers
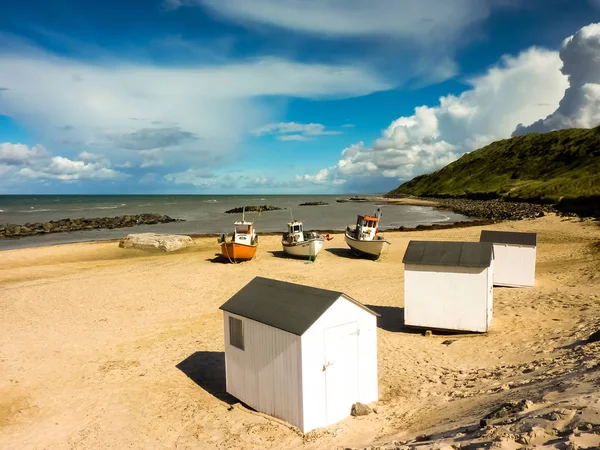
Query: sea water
{"type": "Point", "coordinates": [202, 214]}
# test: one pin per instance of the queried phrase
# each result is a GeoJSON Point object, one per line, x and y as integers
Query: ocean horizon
{"type": "Point", "coordinates": [202, 214]}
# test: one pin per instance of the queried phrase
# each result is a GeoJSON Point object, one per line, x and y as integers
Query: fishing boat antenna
{"type": "Point", "coordinates": [243, 214]}
{"type": "Point", "coordinates": [291, 215]}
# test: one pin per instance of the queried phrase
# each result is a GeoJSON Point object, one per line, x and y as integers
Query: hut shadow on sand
{"type": "Point", "coordinates": [207, 370]}
{"type": "Point", "coordinates": [391, 318]}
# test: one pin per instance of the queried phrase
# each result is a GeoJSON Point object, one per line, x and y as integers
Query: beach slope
{"type": "Point", "coordinates": [109, 348]}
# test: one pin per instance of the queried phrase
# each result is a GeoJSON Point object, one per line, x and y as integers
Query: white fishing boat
{"type": "Point", "coordinates": [297, 242]}
{"type": "Point", "coordinates": [364, 238]}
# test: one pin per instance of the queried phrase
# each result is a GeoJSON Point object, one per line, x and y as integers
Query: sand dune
{"type": "Point", "coordinates": [103, 347]}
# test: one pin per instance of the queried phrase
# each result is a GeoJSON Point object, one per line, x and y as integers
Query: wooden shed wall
{"type": "Point", "coordinates": [266, 375]}
{"type": "Point", "coordinates": [448, 297]}
{"type": "Point", "coordinates": [514, 265]}
{"type": "Point", "coordinates": [314, 358]}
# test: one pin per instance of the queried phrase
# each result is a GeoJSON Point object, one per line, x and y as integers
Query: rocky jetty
{"type": "Point", "coordinates": [494, 209]}
{"type": "Point", "coordinates": [65, 225]}
{"type": "Point", "coordinates": [352, 199]}
{"type": "Point", "coordinates": [314, 204]}
{"type": "Point", "coordinates": [250, 208]}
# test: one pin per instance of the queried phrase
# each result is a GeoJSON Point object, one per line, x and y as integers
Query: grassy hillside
{"type": "Point", "coordinates": [543, 168]}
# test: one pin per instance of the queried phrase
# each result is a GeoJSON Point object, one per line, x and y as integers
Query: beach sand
{"type": "Point", "coordinates": [103, 347]}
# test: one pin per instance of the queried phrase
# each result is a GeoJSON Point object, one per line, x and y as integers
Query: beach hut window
{"type": "Point", "coordinates": [236, 333]}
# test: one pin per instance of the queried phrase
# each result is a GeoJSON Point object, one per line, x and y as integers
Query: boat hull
{"type": "Point", "coordinates": [372, 249]}
{"type": "Point", "coordinates": [238, 252]}
{"type": "Point", "coordinates": [305, 249]}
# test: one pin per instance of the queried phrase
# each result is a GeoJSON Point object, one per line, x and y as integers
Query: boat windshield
{"type": "Point", "coordinates": [243, 229]}
{"type": "Point", "coordinates": [296, 229]}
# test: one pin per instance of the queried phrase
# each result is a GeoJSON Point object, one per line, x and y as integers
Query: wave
{"type": "Point", "coordinates": [110, 207]}
{"type": "Point", "coordinates": [445, 219]}
{"type": "Point", "coordinates": [211, 201]}
{"type": "Point", "coordinates": [90, 208]}
{"type": "Point", "coordinates": [174, 203]}
{"type": "Point", "coordinates": [145, 204]}
{"type": "Point", "coordinates": [1, 210]}
{"type": "Point", "coordinates": [28, 211]}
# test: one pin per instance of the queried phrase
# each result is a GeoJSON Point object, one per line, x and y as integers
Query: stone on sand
{"type": "Point", "coordinates": [360, 409]}
{"type": "Point", "coordinates": [153, 241]}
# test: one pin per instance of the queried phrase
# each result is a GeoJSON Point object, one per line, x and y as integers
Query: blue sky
{"type": "Point", "coordinates": [279, 96]}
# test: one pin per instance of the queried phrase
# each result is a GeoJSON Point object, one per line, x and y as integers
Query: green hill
{"type": "Point", "coordinates": [558, 167]}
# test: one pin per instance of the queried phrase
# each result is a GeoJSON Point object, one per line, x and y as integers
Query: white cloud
{"type": "Point", "coordinates": [91, 157]}
{"type": "Point", "coordinates": [152, 158]}
{"type": "Point", "coordinates": [200, 111]}
{"type": "Point", "coordinates": [194, 177]}
{"type": "Point", "coordinates": [22, 162]}
{"type": "Point", "coordinates": [64, 169]}
{"type": "Point", "coordinates": [301, 131]}
{"type": "Point", "coordinates": [580, 106]}
{"type": "Point", "coordinates": [518, 89]}
{"type": "Point", "coordinates": [324, 176]}
{"type": "Point", "coordinates": [294, 137]}
{"type": "Point", "coordinates": [424, 21]}
{"type": "Point", "coordinates": [20, 154]}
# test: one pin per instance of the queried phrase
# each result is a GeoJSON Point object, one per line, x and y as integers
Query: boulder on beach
{"type": "Point", "coordinates": [153, 241]}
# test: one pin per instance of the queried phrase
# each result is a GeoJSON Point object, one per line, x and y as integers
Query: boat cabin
{"type": "Point", "coordinates": [244, 233]}
{"type": "Point", "coordinates": [367, 227]}
{"type": "Point", "coordinates": [295, 231]}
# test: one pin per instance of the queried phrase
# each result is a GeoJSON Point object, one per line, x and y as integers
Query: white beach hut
{"type": "Point", "coordinates": [448, 285]}
{"type": "Point", "coordinates": [301, 354]}
{"type": "Point", "coordinates": [514, 257]}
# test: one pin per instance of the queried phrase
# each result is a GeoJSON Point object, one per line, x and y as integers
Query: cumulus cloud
{"type": "Point", "coordinates": [324, 176]}
{"type": "Point", "coordinates": [292, 131]}
{"type": "Point", "coordinates": [22, 162]}
{"type": "Point", "coordinates": [20, 154]}
{"type": "Point", "coordinates": [518, 89]}
{"type": "Point", "coordinates": [201, 112]}
{"type": "Point", "coordinates": [64, 169]}
{"type": "Point", "coordinates": [580, 106]}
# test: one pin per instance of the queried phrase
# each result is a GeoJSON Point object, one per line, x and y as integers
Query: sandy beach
{"type": "Point", "coordinates": [103, 347]}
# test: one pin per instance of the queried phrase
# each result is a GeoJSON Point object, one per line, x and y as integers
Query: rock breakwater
{"type": "Point", "coordinates": [250, 208]}
{"type": "Point", "coordinates": [494, 209]}
{"type": "Point", "coordinates": [314, 204]}
{"type": "Point", "coordinates": [66, 225]}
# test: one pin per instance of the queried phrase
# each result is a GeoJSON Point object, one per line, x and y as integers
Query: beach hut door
{"type": "Point", "coordinates": [341, 370]}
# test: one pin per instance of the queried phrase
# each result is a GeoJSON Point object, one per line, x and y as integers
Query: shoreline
{"type": "Point", "coordinates": [401, 229]}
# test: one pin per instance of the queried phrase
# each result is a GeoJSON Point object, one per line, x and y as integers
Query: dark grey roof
{"type": "Point", "coordinates": [466, 254]}
{"type": "Point", "coordinates": [287, 306]}
{"type": "Point", "coordinates": [508, 237]}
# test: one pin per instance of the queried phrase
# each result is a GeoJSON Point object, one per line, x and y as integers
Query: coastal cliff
{"type": "Point", "coordinates": [560, 168]}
